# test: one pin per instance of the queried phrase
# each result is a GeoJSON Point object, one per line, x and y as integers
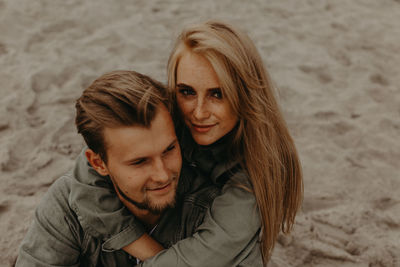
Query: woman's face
{"type": "Point", "coordinates": [206, 112]}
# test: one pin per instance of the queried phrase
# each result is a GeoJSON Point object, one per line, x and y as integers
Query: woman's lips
{"type": "Point", "coordinates": [202, 128]}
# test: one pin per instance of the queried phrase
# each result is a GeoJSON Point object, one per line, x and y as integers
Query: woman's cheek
{"type": "Point", "coordinates": [185, 106]}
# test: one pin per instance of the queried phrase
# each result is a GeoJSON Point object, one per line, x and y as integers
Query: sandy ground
{"type": "Point", "coordinates": [336, 64]}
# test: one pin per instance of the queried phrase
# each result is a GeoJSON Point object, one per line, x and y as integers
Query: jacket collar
{"type": "Point", "coordinates": [212, 160]}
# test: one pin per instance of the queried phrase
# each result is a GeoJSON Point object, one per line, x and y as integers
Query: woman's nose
{"type": "Point", "coordinates": [201, 111]}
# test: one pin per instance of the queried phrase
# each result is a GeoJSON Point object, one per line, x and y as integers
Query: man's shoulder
{"type": "Point", "coordinates": [56, 200]}
{"type": "Point", "coordinates": [55, 236]}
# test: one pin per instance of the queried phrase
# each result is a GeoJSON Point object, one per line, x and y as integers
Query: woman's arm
{"type": "Point", "coordinates": [228, 234]}
{"type": "Point", "coordinates": [143, 248]}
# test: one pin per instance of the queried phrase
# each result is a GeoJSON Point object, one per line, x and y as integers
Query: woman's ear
{"type": "Point", "coordinates": [96, 161]}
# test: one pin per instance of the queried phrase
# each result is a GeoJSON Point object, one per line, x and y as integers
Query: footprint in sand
{"type": "Point", "coordinates": [339, 26]}
{"type": "Point", "coordinates": [48, 33]}
{"type": "Point", "coordinates": [65, 140]}
{"type": "Point", "coordinates": [4, 120]}
{"type": "Point", "coordinates": [330, 239]}
{"type": "Point", "coordinates": [379, 79]}
{"type": "Point", "coordinates": [3, 207]}
{"type": "Point", "coordinates": [35, 121]}
{"type": "Point", "coordinates": [385, 203]}
{"type": "Point", "coordinates": [377, 94]}
{"type": "Point", "coordinates": [383, 257]}
{"type": "Point", "coordinates": [339, 128]}
{"type": "Point", "coordinates": [26, 190]}
{"type": "Point", "coordinates": [59, 27]}
{"type": "Point", "coordinates": [40, 160]}
{"type": "Point", "coordinates": [388, 212]}
{"type": "Point", "coordinates": [37, 38]}
{"type": "Point", "coordinates": [42, 80]}
{"type": "Point", "coordinates": [3, 48]}
{"type": "Point", "coordinates": [340, 57]}
{"type": "Point", "coordinates": [319, 72]}
{"type": "Point", "coordinates": [311, 204]}
{"type": "Point", "coordinates": [325, 115]}
{"type": "Point", "coordinates": [8, 162]}
{"type": "Point", "coordinates": [41, 83]}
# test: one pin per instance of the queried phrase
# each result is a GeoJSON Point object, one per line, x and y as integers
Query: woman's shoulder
{"type": "Point", "coordinates": [239, 179]}
{"type": "Point", "coordinates": [231, 172]}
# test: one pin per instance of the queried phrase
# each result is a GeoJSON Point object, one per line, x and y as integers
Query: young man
{"type": "Point", "coordinates": [131, 141]}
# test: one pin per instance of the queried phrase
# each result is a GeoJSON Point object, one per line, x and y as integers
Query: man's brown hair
{"type": "Point", "coordinates": [115, 99]}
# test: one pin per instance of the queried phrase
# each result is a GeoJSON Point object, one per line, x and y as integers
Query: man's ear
{"type": "Point", "coordinates": [96, 162]}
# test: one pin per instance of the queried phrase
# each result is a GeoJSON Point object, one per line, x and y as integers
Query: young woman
{"type": "Point", "coordinates": [231, 129]}
{"type": "Point", "coordinates": [221, 87]}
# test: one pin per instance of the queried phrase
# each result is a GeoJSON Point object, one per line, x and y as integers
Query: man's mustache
{"type": "Point", "coordinates": [135, 203]}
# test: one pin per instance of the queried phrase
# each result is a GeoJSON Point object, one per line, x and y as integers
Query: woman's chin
{"type": "Point", "coordinates": [203, 139]}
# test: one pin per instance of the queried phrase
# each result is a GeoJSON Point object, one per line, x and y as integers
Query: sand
{"type": "Point", "coordinates": [336, 64]}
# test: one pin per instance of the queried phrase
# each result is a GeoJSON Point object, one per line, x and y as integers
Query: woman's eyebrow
{"type": "Point", "coordinates": [185, 86]}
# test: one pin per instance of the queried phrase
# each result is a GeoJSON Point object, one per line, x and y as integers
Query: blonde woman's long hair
{"type": "Point", "coordinates": [262, 137]}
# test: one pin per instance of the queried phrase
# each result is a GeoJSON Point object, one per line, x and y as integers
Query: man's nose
{"type": "Point", "coordinates": [160, 171]}
{"type": "Point", "coordinates": [200, 110]}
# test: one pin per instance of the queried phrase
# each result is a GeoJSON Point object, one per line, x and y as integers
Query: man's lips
{"type": "Point", "coordinates": [202, 128]}
{"type": "Point", "coordinates": [161, 189]}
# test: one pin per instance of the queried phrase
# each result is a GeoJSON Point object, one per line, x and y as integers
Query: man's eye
{"type": "Point", "coordinates": [170, 148]}
{"type": "Point", "coordinates": [138, 162]}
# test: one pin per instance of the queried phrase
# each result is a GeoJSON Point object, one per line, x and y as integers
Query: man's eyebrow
{"type": "Point", "coordinates": [130, 161]}
{"type": "Point", "coordinates": [174, 142]}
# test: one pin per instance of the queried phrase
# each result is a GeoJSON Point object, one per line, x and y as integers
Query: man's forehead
{"type": "Point", "coordinates": [140, 141]}
{"type": "Point", "coordinates": [134, 140]}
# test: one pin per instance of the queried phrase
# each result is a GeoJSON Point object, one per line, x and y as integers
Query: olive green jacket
{"type": "Point", "coordinates": [229, 234]}
{"type": "Point", "coordinates": [65, 233]}
{"type": "Point", "coordinates": [225, 234]}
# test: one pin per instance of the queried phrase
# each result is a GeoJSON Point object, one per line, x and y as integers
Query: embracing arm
{"type": "Point", "coordinates": [228, 234]}
{"type": "Point", "coordinates": [143, 248]}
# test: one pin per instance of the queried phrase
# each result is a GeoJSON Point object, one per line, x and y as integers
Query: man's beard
{"type": "Point", "coordinates": [146, 204]}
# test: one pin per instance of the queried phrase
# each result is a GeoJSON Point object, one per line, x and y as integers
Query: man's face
{"type": "Point", "coordinates": [144, 163]}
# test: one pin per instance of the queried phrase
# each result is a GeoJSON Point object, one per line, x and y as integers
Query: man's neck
{"type": "Point", "coordinates": [149, 219]}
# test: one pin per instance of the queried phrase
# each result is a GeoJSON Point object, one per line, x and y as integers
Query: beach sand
{"type": "Point", "coordinates": [336, 65]}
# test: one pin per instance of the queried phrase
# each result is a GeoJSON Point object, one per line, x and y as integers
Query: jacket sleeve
{"type": "Point", "coordinates": [100, 212]}
{"type": "Point", "coordinates": [227, 236]}
{"type": "Point", "coordinates": [53, 238]}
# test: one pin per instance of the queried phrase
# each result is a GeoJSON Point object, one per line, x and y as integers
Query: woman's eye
{"type": "Point", "coordinates": [216, 93]}
{"type": "Point", "coordinates": [187, 92]}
